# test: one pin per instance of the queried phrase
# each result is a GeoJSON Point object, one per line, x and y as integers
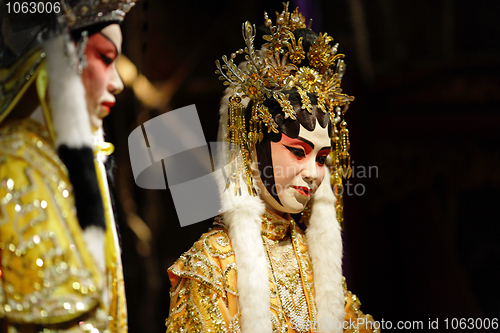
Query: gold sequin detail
{"type": "Point", "coordinates": [289, 272]}
{"type": "Point", "coordinates": [43, 252]}
{"type": "Point", "coordinates": [204, 282]}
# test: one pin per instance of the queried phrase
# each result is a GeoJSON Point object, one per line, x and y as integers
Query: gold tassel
{"type": "Point", "coordinates": [238, 146]}
{"type": "Point", "coordinates": [341, 164]}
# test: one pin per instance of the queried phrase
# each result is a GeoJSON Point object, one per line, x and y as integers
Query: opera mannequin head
{"type": "Point", "coordinates": [100, 77]}
{"type": "Point", "coordinates": [290, 166]}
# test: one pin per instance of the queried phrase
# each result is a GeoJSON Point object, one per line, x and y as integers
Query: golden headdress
{"type": "Point", "coordinates": [271, 71]}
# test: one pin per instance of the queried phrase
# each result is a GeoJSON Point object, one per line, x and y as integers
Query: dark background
{"type": "Point", "coordinates": [423, 239]}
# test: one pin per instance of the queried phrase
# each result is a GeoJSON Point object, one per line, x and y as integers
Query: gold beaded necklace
{"type": "Point", "coordinates": [285, 267]}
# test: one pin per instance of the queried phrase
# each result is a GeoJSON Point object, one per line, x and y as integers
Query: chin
{"type": "Point", "coordinates": [294, 208]}
{"type": "Point", "coordinates": [95, 124]}
{"type": "Point", "coordinates": [296, 211]}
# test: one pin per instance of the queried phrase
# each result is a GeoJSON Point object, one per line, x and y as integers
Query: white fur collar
{"type": "Point", "coordinates": [67, 95]}
{"type": "Point", "coordinates": [324, 241]}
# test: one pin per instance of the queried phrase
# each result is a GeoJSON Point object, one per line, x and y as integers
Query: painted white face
{"type": "Point", "coordinates": [100, 78]}
{"type": "Point", "coordinates": [299, 168]}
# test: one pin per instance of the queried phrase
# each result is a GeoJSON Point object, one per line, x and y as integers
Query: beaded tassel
{"type": "Point", "coordinates": [344, 157]}
{"type": "Point", "coordinates": [341, 164]}
{"type": "Point", "coordinates": [255, 127]}
{"type": "Point", "coordinates": [238, 147]}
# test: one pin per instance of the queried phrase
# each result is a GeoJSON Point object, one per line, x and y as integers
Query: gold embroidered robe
{"type": "Point", "coordinates": [204, 296]}
{"type": "Point", "coordinates": [49, 282]}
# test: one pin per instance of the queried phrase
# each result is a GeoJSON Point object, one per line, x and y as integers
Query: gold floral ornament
{"type": "Point", "coordinates": [277, 39]}
{"type": "Point", "coordinates": [320, 53]}
{"type": "Point", "coordinates": [275, 68]}
{"type": "Point", "coordinates": [253, 88]}
{"type": "Point", "coordinates": [306, 103]}
{"type": "Point", "coordinates": [297, 20]}
{"type": "Point", "coordinates": [287, 108]}
{"type": "Point", "coordinates": [295, 49]}
{"type": "Point", "coordinates": [331, 91]}
{"type": "Point", "coordinates": [309, 79]}
{"type": "Point", "coordinates": [267, 119]}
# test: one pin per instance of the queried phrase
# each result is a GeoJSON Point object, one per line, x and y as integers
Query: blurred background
{"type": "Point", "coordinates": [422, 231]}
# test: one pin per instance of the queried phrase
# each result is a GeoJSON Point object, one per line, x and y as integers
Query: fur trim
{"type": "Point", "coordinates": [245, 227]}
{"type": "Point", "coordinates": [83, 177]}
{"type": "Point", "coordinates": [324, 242]}
{"type": "Point", "coordinates": [94, 239]}
{"type": "Point", "coordinates": [67, 95]}
{"type": "Point", "coordinates": [98, 138]}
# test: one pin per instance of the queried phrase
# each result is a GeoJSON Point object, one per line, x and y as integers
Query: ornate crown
{"type": "Point", "coordinates": [274, 69]}
{"type": "Point", "coordinates": [82, 13]}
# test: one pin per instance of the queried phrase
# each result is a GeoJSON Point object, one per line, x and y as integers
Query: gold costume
{"type": "Point", "coordinates": [204, 296]}
{"type": "Point", "coordinates": [48, 279]}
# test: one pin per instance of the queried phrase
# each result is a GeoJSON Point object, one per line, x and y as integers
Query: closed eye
{"type": "Point", "coordinates": [296, 151]}
{"type": "Point", "coordinates": [107, 60]}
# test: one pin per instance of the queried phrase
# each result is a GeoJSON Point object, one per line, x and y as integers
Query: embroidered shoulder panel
{"type": "Point", "coordinates": [195, 309]}
{"type": "Point", "coordinates": [203, 262]}
{"type": "Point", "coordinates": [201, 286]}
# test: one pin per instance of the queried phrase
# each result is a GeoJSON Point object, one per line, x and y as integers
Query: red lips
{"type": "Point", "coordinates": [303, 190]}
{"type": "Point", "coordinates": [107, 106]}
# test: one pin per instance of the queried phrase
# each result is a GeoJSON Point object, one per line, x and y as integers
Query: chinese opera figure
{"type": "Point", "coordinates": [61, 268]}
{"type": "Point", "coordinates": [272, 262]}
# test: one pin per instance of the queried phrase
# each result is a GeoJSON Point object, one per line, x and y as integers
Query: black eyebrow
{"type": "Point", "coordinates": [306, 141]}
{"type": "Point", "coordinates": [312, 144]}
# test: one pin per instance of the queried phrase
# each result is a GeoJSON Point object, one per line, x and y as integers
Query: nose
{"type": "Point", "coordinates": [115, 82]}
{"type": "Point", "coordinates": [310, 171]}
